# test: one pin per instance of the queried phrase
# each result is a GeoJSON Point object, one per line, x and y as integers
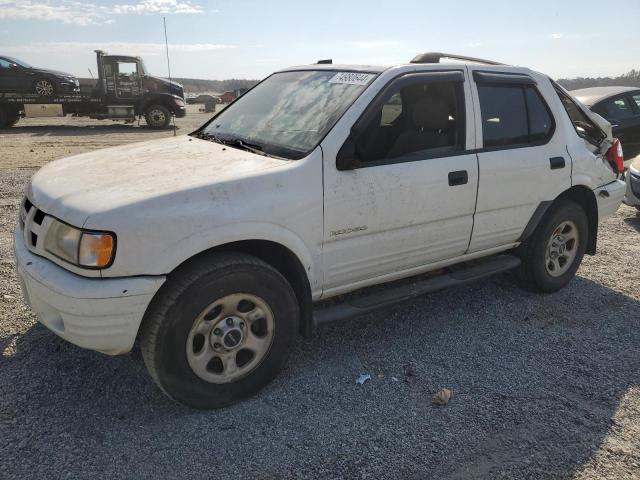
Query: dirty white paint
{"type": "Point", "coordinates": [168, 200]}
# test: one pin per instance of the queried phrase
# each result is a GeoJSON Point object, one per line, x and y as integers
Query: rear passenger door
{"type": "Point", "coordinates": [523, 163]}
{"type": "Point", "coordinates": [408, 199]}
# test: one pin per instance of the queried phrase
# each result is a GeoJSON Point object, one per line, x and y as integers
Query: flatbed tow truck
{"type": "Point", "coordinates": [124, 91]}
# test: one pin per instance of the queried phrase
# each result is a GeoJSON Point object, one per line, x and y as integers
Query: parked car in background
{"type": "Point", "coordinates": [632, 197]}
{"type": "Point", "coordinates": [216, 249]}
{"type": "Point", "coordinates": [18, 76]}
{"type": "Point", "coordinates": [621, 107]}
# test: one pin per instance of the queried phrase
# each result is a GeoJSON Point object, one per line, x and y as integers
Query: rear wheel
{"type": "Point", "coordinates": [43, 87]}
{"type": "Point", "coordinates": [157, 116]}
{"type": "Point", "coordinates": [552, 255]}
{"type": "Point", "coordinates": [220, 329]}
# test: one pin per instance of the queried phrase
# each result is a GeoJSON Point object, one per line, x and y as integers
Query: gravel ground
{"type": "Point", "coordinates": [545, 386]}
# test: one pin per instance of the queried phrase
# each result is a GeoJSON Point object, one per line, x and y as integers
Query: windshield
{"type": "Point", "coordinates": [18, 62]}
{"type": "Point", "coordinates": [289, 113]}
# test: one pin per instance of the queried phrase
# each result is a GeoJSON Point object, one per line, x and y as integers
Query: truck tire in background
{"type": "Point", "coordinates": [157, 116]}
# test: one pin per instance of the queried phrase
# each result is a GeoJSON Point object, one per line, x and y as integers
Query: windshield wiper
{"type": "Point", "coordinates": [249, 147]}
{"type": "Point", "coordinates": [209, 136]}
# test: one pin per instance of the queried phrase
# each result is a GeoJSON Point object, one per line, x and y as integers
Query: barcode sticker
{"type": "Point", "coordinates": [352, 78]}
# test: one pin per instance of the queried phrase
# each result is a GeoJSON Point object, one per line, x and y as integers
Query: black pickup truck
{"type": "Point", "coordinates": [123, 91]}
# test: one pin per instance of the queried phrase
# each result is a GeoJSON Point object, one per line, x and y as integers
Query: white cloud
{"type": "Point", "coordinates": [158, 6]}
{"type": "Point", "coordinates": [66, 11]}
{"type": "Point", "coordinates": [556, 36]}
{"type": "Point", "coordinates": [141, 49]}
{"type": "Point", "coordinates": [84, 13]}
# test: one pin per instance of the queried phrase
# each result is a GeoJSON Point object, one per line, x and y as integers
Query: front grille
{"type": "Point", "coordinates": [634, 180]}
{"type": "Point", "coordinates": [31, 219]}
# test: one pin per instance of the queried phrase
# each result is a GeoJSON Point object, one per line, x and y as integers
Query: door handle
{"type": "Point", "coordinates": [458, 178]}
{"type": "Point", "coordinates": [556, 163]}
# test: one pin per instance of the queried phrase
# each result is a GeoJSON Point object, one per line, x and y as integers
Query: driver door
{"type": "Point", "coordinates": [408, 198]}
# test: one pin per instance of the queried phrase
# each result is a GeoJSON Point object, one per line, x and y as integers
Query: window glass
{"type": "Point", "coordinates": [617, 109]}
{"type": "Point", "coordinates": [128, 68]}
{"type": "Point", "coordinates": [585, 128]}
{"type": "Point", "coordinates": [417, 121]}
{"type": "Point", "coordinates": [540, 121]}
{"type": "Point", "coordinates": [636, 98]}
{"type": "Point", "coordinates": [4, 63]}
{"type": "Point", "coordinates": [504, 115]}
{"type": "Point", "coordinates": [391, 109]}
{"type": "Point", "coordinates": [289, 113]}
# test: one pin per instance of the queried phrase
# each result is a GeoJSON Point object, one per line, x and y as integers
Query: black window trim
{"type": "Point", "coordinates": [403, 79]}
{"type": "Point", "coordinates": [522, 86]}
{"type": "Point", "coordinates": [483, 77]}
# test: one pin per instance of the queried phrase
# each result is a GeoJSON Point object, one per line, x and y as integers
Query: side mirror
{"type": "Point", "coordinates": [13, 66]}
{"type": "Point", "coordinates": [347, 156]}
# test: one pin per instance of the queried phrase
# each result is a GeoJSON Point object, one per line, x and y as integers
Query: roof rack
{"type": "Point", "coordinates": [435, 57]}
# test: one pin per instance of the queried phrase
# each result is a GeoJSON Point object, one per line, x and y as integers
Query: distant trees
{"type": "Point", "coordinates": [629, 79]}
{"type": "Point", "coordinates": [192, 85]}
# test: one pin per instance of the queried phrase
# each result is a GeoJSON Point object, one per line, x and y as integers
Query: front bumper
{"type": "Point", "coordinates": [180, 112]}
{"type": "Point", "coordinates": [101, 314]}
{"type": "Point", "coordinates": [632, 195]}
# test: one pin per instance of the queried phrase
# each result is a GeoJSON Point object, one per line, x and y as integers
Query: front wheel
{"type": "Point", "coordinates": [552, 255]}
{"type": "Point", "coordinates": [219, 330]}
{"type": "Point", "coordinates": [43, 87]}
{"type": "Point", "coordinates": [157, 116]}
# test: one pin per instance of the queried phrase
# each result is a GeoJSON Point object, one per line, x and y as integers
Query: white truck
{"type": "Point", "coordinates": [215, 249]}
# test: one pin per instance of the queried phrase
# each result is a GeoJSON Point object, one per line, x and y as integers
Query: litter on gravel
{"type": "Point", "coordinates": [363, 378]}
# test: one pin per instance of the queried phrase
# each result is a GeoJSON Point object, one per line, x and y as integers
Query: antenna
{"type": "Point", "coordinates": [166, 45]}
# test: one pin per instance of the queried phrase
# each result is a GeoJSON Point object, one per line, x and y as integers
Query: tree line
{"type": "Point", "coordinates": [629, 79]}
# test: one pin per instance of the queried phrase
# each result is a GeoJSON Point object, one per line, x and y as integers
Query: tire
{"type": "Point", "coordinates": [8, 119]}
{"type": "Point", "coordinates": [44, 87]}
{"type": "Point", "coordinates": [191, 301]}
{"type": "Point", "coordinates": [157, 116]}
{"type": "Point", "coordinates": [542, 268]}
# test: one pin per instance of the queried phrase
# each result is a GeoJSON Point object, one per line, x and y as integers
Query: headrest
{"type": "Point", "coordinates": [431, 113]}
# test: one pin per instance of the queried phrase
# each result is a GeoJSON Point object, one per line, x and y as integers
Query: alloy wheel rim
{"type": "Point", "coordinates": [230, 338]}
{"type": "Point", "coordinates": [44, 88]}
{"type": "Point", "coordinates": [562, 248]}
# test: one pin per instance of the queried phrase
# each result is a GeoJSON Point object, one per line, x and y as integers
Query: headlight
{"type": "Point", "coordinates": [83, 248]}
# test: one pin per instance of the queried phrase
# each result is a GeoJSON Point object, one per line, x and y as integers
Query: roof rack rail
{"type": "Point", "coordinates": [435, 57]}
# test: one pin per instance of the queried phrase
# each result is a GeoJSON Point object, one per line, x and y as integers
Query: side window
{"type": "Point", "coordinates": [618, 109]}
{"type": "Point", "coordinates": [504, 116]}
{"type": "Point", "coordinates": [415, 121]}
{"type": "Point", "coordinates": [585, 128]}
{"type": "Point", "coordinates": [636, 99]}
{"type": "Point", "coordinates": [108, 69]}
{"type": "Point", "coordinates": [513, 115]}
{"type": "Point", "coordinates": [391, 110]}
{"type": "Point", "coordinates": [128, 69]}
{"type": "Point", "coordinates": [4, 64]}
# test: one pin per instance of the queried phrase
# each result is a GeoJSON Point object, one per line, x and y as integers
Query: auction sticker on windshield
{"type": "Point", "coordinates": [352, 78]}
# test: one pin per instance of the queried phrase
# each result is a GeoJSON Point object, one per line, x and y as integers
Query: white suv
{"type": "Point", "coordinates": [217, 248]}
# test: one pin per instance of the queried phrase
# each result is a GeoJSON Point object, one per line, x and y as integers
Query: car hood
{"type": "Point", "coordinates": [74, 188]}
{"type": "Point", "coordinates": [51, 72]}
